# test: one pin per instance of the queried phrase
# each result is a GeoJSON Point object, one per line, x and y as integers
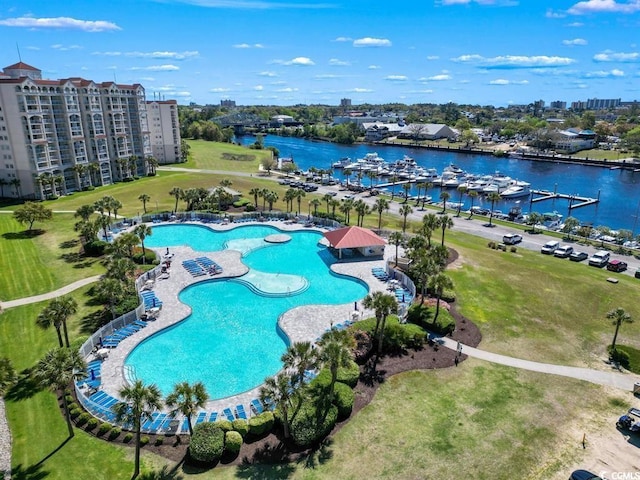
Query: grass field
{"type": "Point", "coordinates": [224, 156]}
{"type": "Point", "coordinates": [477, 420]}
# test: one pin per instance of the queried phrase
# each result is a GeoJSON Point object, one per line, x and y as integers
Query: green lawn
{"type": "Point", "coordinates": [224, 156]}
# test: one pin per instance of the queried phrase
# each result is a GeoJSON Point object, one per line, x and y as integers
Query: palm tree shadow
{"type": "Point", "coordinates": [32, 472]}
{"type": "Point", "coordinates": [318, 456]}
{"type": "Point", "coordinates": [24, 235]}
{"type": "Point", "coordinates": [26, 387]}
{"type": "Point", "coordinates": [164, 474]}
{"type": "Point", "coordinates": [53, 452]}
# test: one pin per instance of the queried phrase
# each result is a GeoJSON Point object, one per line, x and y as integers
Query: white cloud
{"type": "Point", "coordinates": [421, 91]}
{"type": "Point", "coordinates": [157, 68]}
{"type": "Point", "coordinates": [65, 48]}
{"type": "Point", "coordinates": [502, 81]}
{"type": "Point", "coordinates": [604, 6]}
{"type": "Point", "coordinates": [609, 56]}
{"type": "Point", "coordinates": [258, 88]}
{"type": "Point", "coordinates": [219, 90]}
{"type": "Point", "coordinates": [374, 67]}
{"type": "Point", "coordinates": [371, 42]}
{"type": "Point", "coordinates": [515, 61]}
{"type": "Point", "coordinates": [575, 24]}
{"type": "Point", "coordinates": [246, 45]}
{"type": "Point", "coordinates": [254, 4]}
{"type": "Point", "coordinates": [303, 61]}
{"type": "Point", "coordinates": [287, 90]}
{"type": "Point", "coordinates": [433, 57]}
{"type": "Point", "coordinates": [396, 78]}
{"type": "Point", "coordinates": [575, 41]}
{"type": "Point", "coordinates": [325, 76]}
{"type": "Point", "coordinates": [551, 14]}
{"type": "Point", "coordinates": [157, 55]}
{"type": "Point", "coordinates": [339, 63]}
{"type": "Point", "coordinates": [436, 78]}
{"type": "Point", "coordinates": [33, 48]}
{"type": "Point", "coordinates": [343, 39]}
{"type": "Point", "coordinates": [61, 22]}
{"type": "Point", "coordinates": [505, 3]}
{"type": "Point", "coordinates": [360, 90]}
{"type": "Point", "coordinates": [268, 73]}
{"type": "Point", "coordinates": [148, 79]}
{"type": "Point", "coordinates": [615, 73]}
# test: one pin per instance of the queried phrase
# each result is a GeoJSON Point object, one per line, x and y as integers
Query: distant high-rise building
{"type": "Point", "coordinates": [558, 105]}
{"type": "Point", "coordinates": [57, 136]}
{"type": "Point", "coordinates": [228, 103]}
{"type": "Point", "coordinates": [602, 103]}
{"type": "Point", "coordinates": [578, 105]}
{"type": "Point", "coordinates": [164, 131]}
{"type": "Point", "coordinates": [345, 102]}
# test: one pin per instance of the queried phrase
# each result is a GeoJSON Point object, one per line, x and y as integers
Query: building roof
{"type": "Point", "coordinates": [353, 237]}
{"type": "Point", "coordinates": [21, 66]}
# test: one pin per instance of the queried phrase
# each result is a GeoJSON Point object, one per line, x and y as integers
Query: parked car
{"type": "Point", "coordinates": [630, 420]}
{"type": "Point", "coordinates": [550, 247]}
{"type": "Point", "coordinates": [599, 259]}
{"type": "Point", "coordinates": [563, 251]}
{"type": "Point", "coordinates": [637, 274]}
{"type": "Point", "coordinates": [616, 265]}
{"type": "Point", "coordinates": [511, 239]}
{"type": "Point", "coordinates": [578, 256]}
{"type": "Point", "coordinates": [584, 475]}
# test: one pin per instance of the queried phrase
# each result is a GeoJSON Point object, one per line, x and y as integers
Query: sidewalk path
{"type": "Point", "coordinates": [624, 381]}
{"type": "Point", "coordinates": [49, 295]}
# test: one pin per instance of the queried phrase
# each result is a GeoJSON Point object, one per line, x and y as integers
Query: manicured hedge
{"type": "Point", "coordinates": [397, 336]}
{"type": "Point", "coordinates": [241, 426]}
{"type": "Point", "coordinates": [423, 315]}
{"type": "Point", "coordinates": [91, 424]}
{"type": "Point", "coordinates": [261, 424]}
{"type": "Point", "coordinates": [83, 418]}
{"type": "Point", "coordinates": [103, 428]}
{"type": "Point", "coordinates": [232, 442]}
{"type": "Point", "coordinates": [343, 398]}
{"type": "Point", "coordinates": [95, 248]}
{"type": "Point", "coordinates": [311, 426]}
{"type": "Point", "coordinates": [207, 443]}
{"type": "Point", "coordinates": [348, 375]}
{"type": "Point", "coordinates": [114, 433]}
{"type": "Point", "coordinates": [149, 257]}
{"type": "Point", "coordinates": [224, 425]}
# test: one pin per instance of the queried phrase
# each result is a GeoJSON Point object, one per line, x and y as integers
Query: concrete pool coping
{"type": "Point", "coordinates": [304, 323]}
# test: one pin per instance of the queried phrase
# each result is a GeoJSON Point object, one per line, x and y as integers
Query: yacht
{"type": "Point", "coordinates": [517, 189]}
{"type": "Point", "coordinates": [342, 163]}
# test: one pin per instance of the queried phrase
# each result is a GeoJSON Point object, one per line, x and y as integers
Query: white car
{"type": "Point", "coordinates": [563, 251]}
{"type": "Point", "coordinates": [511, 239]}
{"type": "Point", "coordinates": [550, 247]}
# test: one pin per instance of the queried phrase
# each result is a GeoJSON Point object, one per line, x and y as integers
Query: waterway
{"type": "Point", "coordinates": [619, 190]}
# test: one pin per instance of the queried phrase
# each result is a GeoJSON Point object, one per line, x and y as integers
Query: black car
{"type": "Point", "coordinates": [584, 475]}
{"type": "Point", "coordinates": [578, 256]}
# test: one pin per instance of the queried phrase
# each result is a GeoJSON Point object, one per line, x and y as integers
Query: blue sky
{"type": "Point", "coordinates": [285, 52]}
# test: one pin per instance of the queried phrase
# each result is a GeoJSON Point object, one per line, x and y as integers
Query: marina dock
{"type": "Point", "coordinates": [547, 195]}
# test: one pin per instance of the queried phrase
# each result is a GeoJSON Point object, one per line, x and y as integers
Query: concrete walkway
{"type": "Point", "coordinates": [48, 296]}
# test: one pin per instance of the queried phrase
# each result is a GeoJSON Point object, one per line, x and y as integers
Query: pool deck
{"type": "Point", "coordinates": [304, 323]}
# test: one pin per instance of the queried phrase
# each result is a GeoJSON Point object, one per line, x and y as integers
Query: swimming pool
{"type": "Point", "coordinates": [231, 341]}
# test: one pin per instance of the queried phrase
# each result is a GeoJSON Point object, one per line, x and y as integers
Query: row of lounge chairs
{"type": "Point", "coordinates": [112, 341]}
{"type": "Point", "coordinates": [150, 300]}
{"type": "Point", "coordinates": [380, 274]}
{"type": "Point", "coordinates": [209, 265]}
{"type": "Point", "coordinates": [94, 374]}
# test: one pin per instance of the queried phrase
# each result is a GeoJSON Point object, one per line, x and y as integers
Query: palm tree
{"type": "Point", "coordinates": [438, 284]}
{"type": "Point", "coordinates": [271, 197]}
{"type": "Point", "coordinates": [298, 358]}
{"type": "Point", "coordinates": [421, 271]}
{"type": "Point", "coordinates": [15, 183]}
{"type": "Point", "coordinates": [256, 193]}
{"type": "Point", "coordinates": [334, 204]}
{"type": "Point", "coordinates": [103, 222]}
{"type": "Point", "coordinates": [8, 375]}
{"type": "Point", "coordinates": [57, 369]}
{"type": "Point", "coordinates": [152, 164]}
{"type": "Point", "coordinates": [347, 173]}
{"type": "Point", "coordinates": [3, 183]}
{"type": "Point", "coordinates": [299, 194]}
{"type": "Point", "coordinates": [94, 168]}
{"type": "Point", "coordinates": [143, 231]}
{"type": "Point", "coordinates": [445, 222]}
{"type": "Point", "coordinates": [56, 313]}
{"type": "Point", "coordinates": [493, 197]}
{"type": "Point", "coordinates": [462, 189]}
{"type": "Point", "coordinates": [139, 402]}
{"type": "Point", "coordinates": [315, 203]}
{"type": "Point", "coordinates": [534, 218]}
{"type": "Point", "coordinates": [394, 179]}
{"type": "Point", "coordinates": [406, 187]}
{"type": "Point", "coordinates": [380, 205]}
{"type": "Point", "coordinates": [335, 352]}
{"type": "Point", "coordinates": [187, 399]}
{"type": "Point", "coordinates": [120, 268]}
{"type": "Point", "coordinates": [144, 198]}
{"type": "Point", "coordinates": [81, 170]}
{"type": "Point", "coordinates": [429, 224]}
{"type": "Point", "coordinates": [84, 212]}
{"type": "Point", "coordinates": [397, 239]}
{"type": "Point", "coordinates": [226, 183]}
{"type": "Point", "coordinates": [444, 196]}
{"type": "Point", "coordinates": [327, 197]}
{"type": "Point", "coordinates": [419, 186]}
{"type": "Point", "coordinates": [472, 194]}
{"type": "Point", "coordinates": [346, 208]}
{"type": "Point", "coordinates": [177, 193]}
{"type": "Point", "coordinates": [111, 291]}
{"type": "Point", "coordinates": [383, 304]}
{"type": "Point", "coordinates": [263, 193]}
{"type": "Point", "coordinates": [619, 316]}
{"type": "Point", "coordinates": [276, 392]}
{"type": "Point", "coordinates": [115, 206]}
{"type": "Point", "coordinates": [362, 209]}
{"type": "Point", "coordinates": [405, 211]}
{"type": "Point", "coordinates": [424, 198]}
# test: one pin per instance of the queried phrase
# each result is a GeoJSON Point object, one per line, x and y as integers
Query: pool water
{"type": "Point", "coordinates": [231, 341]}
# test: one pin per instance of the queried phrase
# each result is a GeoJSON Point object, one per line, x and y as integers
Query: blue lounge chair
{"type": "Point", "coordinates": [213, 417]}
{"type": "Point", "coordinates": [201, 417]}
{"type": "Point", "coordinates": [185, 425]}
{"type": "Point", "coordinates": [256, 406]}
{"type": "Point", "coordinates": [240, 413]}
{"type": "Point", "coordinates": [229, 414]}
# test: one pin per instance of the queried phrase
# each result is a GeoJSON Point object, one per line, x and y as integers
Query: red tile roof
{"type": "Point", "coordinates": [21, 66]}
{"type": "Point", "coordinates": [353, 237]}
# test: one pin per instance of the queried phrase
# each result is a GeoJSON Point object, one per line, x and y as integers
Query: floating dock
{"type": "Point", "coordinates": [547, 195]}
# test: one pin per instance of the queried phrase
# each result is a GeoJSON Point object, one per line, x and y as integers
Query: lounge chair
{"type": "Point", "coordinates": [240, 413]}
{"type": "Point", "coordinates": [229, 414]}
{"type": "Point", "coordinates": [213, 417]}
{"type": "Point", "coordinates": [201, 418]}
{"type": "Point", "coordinates": [256, 406]}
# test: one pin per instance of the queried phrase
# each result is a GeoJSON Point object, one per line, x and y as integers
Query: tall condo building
{"type": "Point", "coordinates": [59, 136]}
{"type": "Point", "coordinates": [164, 131]}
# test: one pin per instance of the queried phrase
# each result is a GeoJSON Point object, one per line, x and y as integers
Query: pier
{"type": "Point", "coordinates": [547, 195]}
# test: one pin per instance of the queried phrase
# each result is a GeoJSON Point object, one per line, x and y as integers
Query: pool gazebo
{"type": "Point", "coordinates": [361, 239]}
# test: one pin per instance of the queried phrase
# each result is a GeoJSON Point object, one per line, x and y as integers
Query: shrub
{"type": "Point", "coordinates": [423, 315]}
{"type": "Point", "coordinates": [127, 437]}
{"type": "Point", "coordinates": [261, 424]}
{"type": "Point", "coordinates": [144, 440]}
{"type": "Point", "coordinates": [69, 398]}
{"type": "Point", "coordinates": [207, 442]}
{"type": "Point", "coordinates": [224, 425]}
{"type": "Point", "coordinates": [250, 208]}
{"type": "Point", "coordinates": [149, 257]}
{"type": "Point", "coordinates": [104, 428]}
{"type": "Point", "coordinates": [83, 418]}
{"type": "Point", "coordinates": [619, 355]}
{"type": "Point", "coordinates": [75, 412]}
{"type": "Point", "coordinates": [513, 249]}
{"type": "Point", "coordinates": [349, 374]}
{"type": "Point", "coordinates": [343, 399]}
{"type": "Point", "coordinates": [311, 425]}
{"type": "Point", "coordinates": [364, 345]}
{"type": "Point", "coordinates": [159, 441]}
{"type": "Point", "coordinates": [492, 245]}
{"type": "Point", "coordinates": [95, 248]}
{"type": "Point", "coordinates": [114, 433]}
{"type": "Point", "coordinates": [72, 406]}
{"type": "Point", "coordinates": [243, 202]}
{"type": "Point", "coordinates": [232, 442]}
{"type": "Point", "coordinates": [397, 336]}
{"type": "Point", "coordinates": [91, 424]}
{"type": "Point", "coordinates": [241, 426]}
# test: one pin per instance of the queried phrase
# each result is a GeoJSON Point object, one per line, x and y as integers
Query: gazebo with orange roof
{"type": "Point", "coordinates": [356, 238]}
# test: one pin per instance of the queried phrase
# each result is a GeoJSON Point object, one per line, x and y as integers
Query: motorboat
{"type": "Point", "coordinates": [342, 163]}
{"type": "Point", "coordinates": [453, 168]}
{"type": "Point", "coordinates": [518, 189]}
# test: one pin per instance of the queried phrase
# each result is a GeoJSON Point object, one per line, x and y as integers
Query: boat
{"type": "Point", "coordinates": [453, 168]}
{"type": "Point", "coordinates": [371, 161]}
{"type": "Point", "coordinates": [518, 189]}
{"type": "Point", "coordinates": [342, 163]}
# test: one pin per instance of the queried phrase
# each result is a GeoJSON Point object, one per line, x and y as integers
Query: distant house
{"type": "Point", "coordinates": [427, 131]}
{"type": "Point", "coordinates": [376, 131]}
{"type": "Point", "coordinates": [283, 121]}
{"type": "Point", "coordinates": [573, 140]}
